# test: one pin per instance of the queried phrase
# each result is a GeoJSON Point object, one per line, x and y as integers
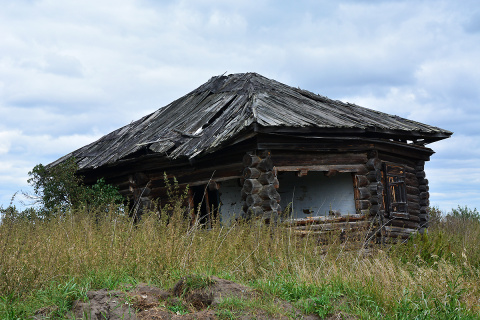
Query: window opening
{"type": "Point", "coordinates": [206, 203]}
{"type": "Point", "coordinates": [396, 191]}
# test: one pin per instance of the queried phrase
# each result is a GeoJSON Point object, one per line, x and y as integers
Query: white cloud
{"type": "Point", "coordinates": [72, 71]}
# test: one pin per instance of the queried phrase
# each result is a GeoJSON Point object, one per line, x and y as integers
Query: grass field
{"type": "Point", "coordinates": [50, 263]}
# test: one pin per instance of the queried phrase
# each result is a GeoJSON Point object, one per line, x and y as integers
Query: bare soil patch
{"type": "Point", "coordinates": [192, 297]}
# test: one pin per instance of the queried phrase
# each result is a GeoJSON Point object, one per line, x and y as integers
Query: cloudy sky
{"type": "Point", "coordinates": [72, 71]}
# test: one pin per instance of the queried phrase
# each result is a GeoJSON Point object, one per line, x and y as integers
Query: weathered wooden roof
{"type": "Point", "coordinates": [218, 111]}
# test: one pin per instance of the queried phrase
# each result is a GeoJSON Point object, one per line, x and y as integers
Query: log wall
{"type": "Point", "coordinates": [259, 191]}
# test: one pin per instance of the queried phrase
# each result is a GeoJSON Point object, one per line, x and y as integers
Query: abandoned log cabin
{"type": "Point", "coordinates": [249, 145]}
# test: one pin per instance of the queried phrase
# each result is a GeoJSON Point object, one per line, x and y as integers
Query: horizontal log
{"type": "Point", "coordinates": [410, 175]}
{"type": "Point", "coordinates": [399, 229]}
{"type": "Point", "coordinates": [412, 182]}
{"type": "Point", "coordinates": [269, 192]}
{"type": "Point", "coordinates": [412, 190]}
{"type": "Point", "coordinates": [265, 165]}
{"type": "Point", "coordinates": [424, 209]}
{"type": "Point", "coordinates": [423, 181]}
{"type": "Point", "coordinates": [376, 188]}
{"type": "Point", "coordinates": [266, 178]}
{"type": "Point", "coordinates": [400, 215]}
{"type": "Point", "coordinates": [404, 223]}
{"type": "Point", "coordinates": [254, 211]}
{"type": "Point", "coordinates": [253, 200]}
{"type": "Point", "coordinates": [250, 160]}
{"type": "Point", "coordinates": [251, 173]}
{"type": "Point", "coordinates": [375, 199]}
{"type": "Point", "coordinates": [424, 202]}
{"type": "Point", "coordinates": [373, 176]}
{"type": "Point", "coordinates": [414, 214]}
{"type": "Point", "coordinates": [139, 179]}
{"type": "Point", "coordinates": [358, 168]}
{"type": "Point", "coordinates": [307, 158]}
{"type": "Point", "coordinates": [420, 174]}
{"type": "Point", "coordinates": [411, 179]}
{"type": "Point", "coordinates": [374, 209]}
{"type": "Point", "coordinates": [252, 186]}
{"type": "Point", "coordinates": [194, 177]}
{"type": "Point", "coordinates": [409, 169]}
{"type": "Point", "coordinates": [423, 188]}
{"type": "Point", "coordinates": [419, 167]}
{"type": "Point", "coordinates": [374, 164]}
{"type": "Point", "coordinates": [365, 212]}
{"type": "Point", "coordinates": [372, 154]}
{"type": "Point", "coordinates": [423, 216]}
{"type": "Point", "coordinates": [362, 204]}
{"type": "Point", "coordinates": [324, 219]}
{"type": "Point", "coordinates": [336, 226]}
{"type": "Point", "coordinates": [269, 205]}
{"type": "Point", "coordinates": [413, 206]}
{"type": "Point", "coordinates": [413, 198]}
{"type": "Point", "coordinates": [361, 169]}
{"type": "Point", "coordinates": [364, 193]}
{"type": "Point", "coordinates": [361, 181]}
{"type": "Point", "coordinates": [424, 195]}
{"type": "Point", "coordinates": [397, 235]}
{"type": "Point", "coordinates": [350, 237]}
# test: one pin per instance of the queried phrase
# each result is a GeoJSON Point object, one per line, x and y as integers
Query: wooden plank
{"type": "Point", "coordinates": [399, 229]}
{"type": "Point", "coordinates": [324, 219]}
{"type": "Point", "coordinates": [335, 226]}
{"type": "Point", "coordinates": [325, 168]}
{"type": "Point", "coordinates": [404, 223]}
{"type": "Point", "coordinates": [282, 158]}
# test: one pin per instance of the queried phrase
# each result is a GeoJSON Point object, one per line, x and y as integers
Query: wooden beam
{"type": "Point", "coordinates": [324, 168]}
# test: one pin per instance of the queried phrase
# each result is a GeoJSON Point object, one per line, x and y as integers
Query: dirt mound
{"type": "Point", "coordinates": [103, 304]}
{"type": "Point", "coordinates": [192, 297]}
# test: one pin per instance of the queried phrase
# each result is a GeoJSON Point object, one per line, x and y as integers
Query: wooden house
{"type": "Point", "coordinates": [249, 145]}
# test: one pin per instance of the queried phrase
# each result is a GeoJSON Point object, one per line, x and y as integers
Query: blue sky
{"type": "Point", "coordinates": [72, 71]}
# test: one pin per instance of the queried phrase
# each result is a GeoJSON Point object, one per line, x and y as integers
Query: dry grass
{"type": "Point", "coordinates": [428, 275]}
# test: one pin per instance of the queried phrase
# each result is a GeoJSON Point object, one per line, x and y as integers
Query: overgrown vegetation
{"type": "Point", "coordinates": [51, 262]}
{"type": "Point", "coordinates": [51, 257]}
{"type": "Point", "coordinates": [59, 189]}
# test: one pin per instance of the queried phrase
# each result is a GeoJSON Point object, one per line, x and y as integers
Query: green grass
{"type": "Point", "coordinates": [51, 263]}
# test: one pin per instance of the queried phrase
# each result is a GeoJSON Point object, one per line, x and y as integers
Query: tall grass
{"type": "Point", "coordinates": [432, 276]}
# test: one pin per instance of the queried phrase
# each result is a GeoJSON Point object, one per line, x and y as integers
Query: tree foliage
{"type": "Point", "coordinates": [59, 188]}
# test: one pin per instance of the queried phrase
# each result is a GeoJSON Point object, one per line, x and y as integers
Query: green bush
{"type": "Point", "coordinates": [59, 189]}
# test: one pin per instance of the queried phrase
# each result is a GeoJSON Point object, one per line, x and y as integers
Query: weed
{"type": "Point", "coordinates": [51, 262]}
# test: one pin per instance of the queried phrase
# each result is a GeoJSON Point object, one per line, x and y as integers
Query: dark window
{"type": "Point", "coordinates": [395, 189]}
{"type": "Point", "coordinates": [206, 203]}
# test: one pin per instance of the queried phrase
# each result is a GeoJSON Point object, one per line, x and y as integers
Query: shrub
{"type": "Point", "coordinates": [59, 188]}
